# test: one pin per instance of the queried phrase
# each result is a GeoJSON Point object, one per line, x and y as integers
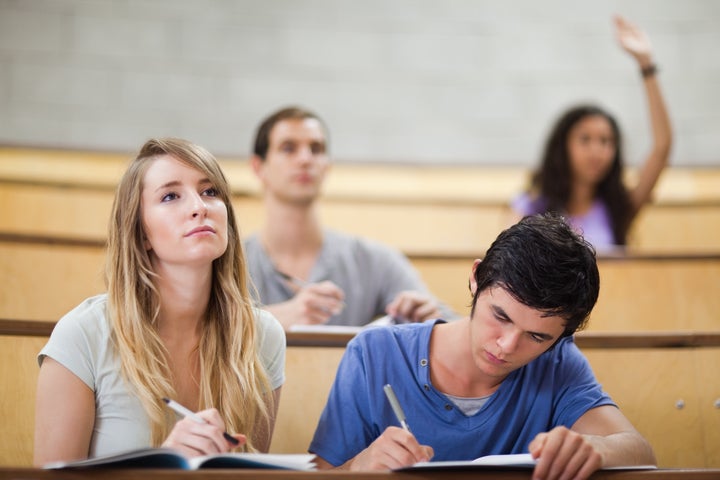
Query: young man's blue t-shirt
{"type": "Point", "coordinates": [555, 389]}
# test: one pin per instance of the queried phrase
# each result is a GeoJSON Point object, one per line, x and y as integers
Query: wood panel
{"type": "Point", "coordinates": [636, 294]}
{"type": "Point", "coordinates": [420, 210]}
{"type": "Point", "coordinates": [706, 365]}
{"type": "Point", "coordinates": [50, 210]}
{"type": "Point", "coordinates": [663, 294]}
{"type": "Point", "coordinates": [18, 377]}
{"type": "Point", "coordinates": [55, 211]}
{"type": "Point", "coordinates": [414, 227]}
{"type": "Point", "coordinates": [43, 282]}
{"type": "Point", "coordinates": [309, 373]}
{"type": "Point", "coordinates": [370, 181]}
{"type": "Point", "coordinates": [672, 228]}
{"type": "Point", "coordinates": [646, 385]}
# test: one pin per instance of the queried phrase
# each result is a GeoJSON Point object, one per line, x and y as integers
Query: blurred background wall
{"type": "Point", "coordinates": [451, 81]}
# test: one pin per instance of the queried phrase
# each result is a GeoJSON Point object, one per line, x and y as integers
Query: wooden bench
{"type": "Point", "coordinates": [661, 382]}
{"type": "Point", "coordinates": [420, 210]}
{"type": "Point", "coordinates": [637, 293]}
{"type": "Point", "coordinates": [666, 384]}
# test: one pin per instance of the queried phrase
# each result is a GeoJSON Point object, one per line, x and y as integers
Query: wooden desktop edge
{"type": "Point", "coordinates": [163, 474]}
{"type": "Point", "coordinates": [36, 328]}
{"type": "Point", "coordinates": [619, 256]}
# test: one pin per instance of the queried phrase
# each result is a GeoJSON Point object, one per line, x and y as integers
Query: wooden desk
{"type": "Point", "coordinates": [36, 474]}
{"type": "Point", "coordinates": [646, 374]}
{"type": "Point", "coordinates": [640, 292]}
{"type": "Point", "coordinates": [420, 210]}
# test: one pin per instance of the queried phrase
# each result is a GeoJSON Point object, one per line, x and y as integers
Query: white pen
{"type": "Point", "coordinates": [186, 412]}
{"type": "Point", "coordinates": [390, 394]}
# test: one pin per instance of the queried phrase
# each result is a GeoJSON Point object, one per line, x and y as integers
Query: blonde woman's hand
{"type": "Point", "coordinates": [194, 439]}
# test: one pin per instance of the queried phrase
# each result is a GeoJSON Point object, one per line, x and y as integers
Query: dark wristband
{"type": "Point", "coordinates": [649, 71]}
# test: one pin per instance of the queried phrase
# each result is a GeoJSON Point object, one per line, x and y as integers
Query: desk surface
{"type": "Point", "coordinates": [319, 339]}
{"type": "Point", "coordinates": [30, 473]}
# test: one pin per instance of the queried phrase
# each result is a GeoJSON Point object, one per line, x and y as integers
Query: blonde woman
{"type": "Point", "coordinates": [177, 321]}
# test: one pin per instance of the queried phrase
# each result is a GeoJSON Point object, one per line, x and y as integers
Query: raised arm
{"type": "Point", "coordinates": [634, 41]}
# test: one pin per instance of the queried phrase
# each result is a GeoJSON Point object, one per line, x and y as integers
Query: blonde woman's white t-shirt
{"type": "Point", "coordinates": [82, 343]}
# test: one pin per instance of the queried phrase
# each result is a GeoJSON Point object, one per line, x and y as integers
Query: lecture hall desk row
{"type": "Point", "coordinates": [35, 474]}
{"type": "Point", "coordinates": [46, 277]}
{"type": "Point", "coordinates": [422, 210]}
{"type": "Point", "coordinates": [665, 383]}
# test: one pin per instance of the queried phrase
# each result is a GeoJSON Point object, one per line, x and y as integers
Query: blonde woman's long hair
{"type": "Point", "coordinates": [232, 378]}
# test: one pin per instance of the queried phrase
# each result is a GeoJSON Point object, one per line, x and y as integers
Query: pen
{"type": "Point", "coordinates": [186, 412]}
{"type": "Point", "coordinates": [396, 406]}
{"type": "Point", "coordinates": [293, 280]}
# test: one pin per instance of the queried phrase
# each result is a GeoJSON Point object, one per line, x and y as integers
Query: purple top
{"type": "Point", "coordinates": [594, 225]}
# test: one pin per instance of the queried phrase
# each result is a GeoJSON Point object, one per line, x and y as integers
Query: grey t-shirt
{"type": "Point", "coordinates": [371, 275]}
{"type": "Point", "coordinates": [81, 342]}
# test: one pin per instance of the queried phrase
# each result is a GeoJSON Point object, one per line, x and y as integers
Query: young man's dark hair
{"type": "Point", "coordinates": [545, 265]}
{"type": "Point", "coordinates": [262, 135]}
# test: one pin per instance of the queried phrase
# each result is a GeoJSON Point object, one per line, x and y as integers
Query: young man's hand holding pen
{"type": "Point", "coordinates": [395, 448]}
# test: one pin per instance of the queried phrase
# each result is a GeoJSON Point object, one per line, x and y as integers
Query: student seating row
{"type": "Point", "coordinates": [420, 210]}
{"type": "Point", "coordinates": [661, 382]}
{"type": "Point", "coordinates": [638, 292]}
{"type": "Point", "coordinates": [45, 278]}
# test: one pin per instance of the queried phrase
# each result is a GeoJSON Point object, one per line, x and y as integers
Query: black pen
{"type": "Point", "coordinates": [390, 394]}
{"type": "Point", "coordinates": [186, 412]}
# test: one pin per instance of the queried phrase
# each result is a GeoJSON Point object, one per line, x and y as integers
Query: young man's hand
{"type": "Point", "coordinates": [563, 453]}
{"type": "Point", "coordinates": [413, 307]}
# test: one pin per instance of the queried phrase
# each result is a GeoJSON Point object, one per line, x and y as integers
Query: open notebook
{"type": "Point", "coordinates": [345, 329]}
{"type": "Point", "coordinates": [169, 458]}
{"type": "Point", "coordinates": [520, 460]}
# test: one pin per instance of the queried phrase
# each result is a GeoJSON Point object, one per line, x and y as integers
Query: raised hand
{"type": "Point", "coordinates": [633, 40]}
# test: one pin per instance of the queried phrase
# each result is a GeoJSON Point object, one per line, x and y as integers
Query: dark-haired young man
{"type": "Point", "coordinates": [507, 379]}
{"type": "Point", "coordinates": [305, 273]}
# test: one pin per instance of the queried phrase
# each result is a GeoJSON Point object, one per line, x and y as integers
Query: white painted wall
{"type": "Point", "coordinates": [455, 81]}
